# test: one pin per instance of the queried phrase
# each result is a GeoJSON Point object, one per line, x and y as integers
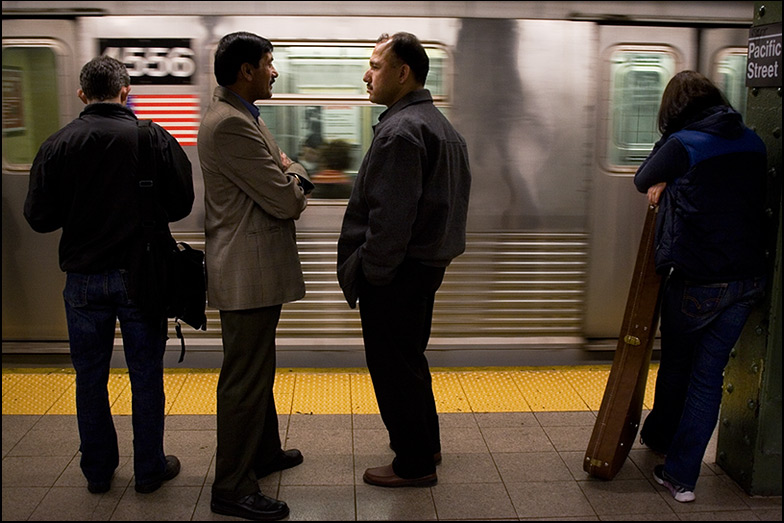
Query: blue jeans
{"type": "Point", "coordinates": [700, 324]}
{"type": "Point", "coordinates": [93, 303]}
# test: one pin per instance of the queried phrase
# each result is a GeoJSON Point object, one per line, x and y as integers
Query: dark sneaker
{"type": "Point", "coordinates": [681, 494]}
{"type": "Point", "coordinates": [171, 471]}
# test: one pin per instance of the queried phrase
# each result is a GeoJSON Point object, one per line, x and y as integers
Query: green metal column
{"type": "Point", "coordinates": [749, 440]}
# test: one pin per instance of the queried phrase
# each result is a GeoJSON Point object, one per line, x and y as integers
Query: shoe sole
{"type": "Point", "coordinates": [666, 484]}
{"type": "Point", "coordinates": [231, 511]}
{"type": "Point", "coordinates": [148, 489]}
{"type": "Point", "coordinates": [419, 482]}
{"type": "Point", "coordinates": [99, 488]}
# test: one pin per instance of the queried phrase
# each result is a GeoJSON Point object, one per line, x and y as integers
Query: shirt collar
{"type": "Point", "coordinates": [254, 111]}
{"type": "Point", "coordinates": [420, 95]}
{"type": "Point", "coordinates": [107, 108]}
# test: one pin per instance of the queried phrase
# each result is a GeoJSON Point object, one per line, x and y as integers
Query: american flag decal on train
{"type": "Point", "coordinates": [177, 113]}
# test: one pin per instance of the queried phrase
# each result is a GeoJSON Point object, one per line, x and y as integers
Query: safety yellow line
{"type": "Point", "coordinates": [332, 391]}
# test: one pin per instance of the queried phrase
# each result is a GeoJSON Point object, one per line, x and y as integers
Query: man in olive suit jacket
{"type": "Point", "coordinates": [253, 194]}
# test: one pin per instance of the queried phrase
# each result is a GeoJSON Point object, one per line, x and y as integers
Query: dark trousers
{"type": "Point", "coordinates": [396, 322]}
{"type": "Point", "coordinates": [248, 436]}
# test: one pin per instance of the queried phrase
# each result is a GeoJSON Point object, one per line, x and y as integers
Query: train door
{"type": "Point", "coordinates": [39, 97]}
{"type": "Point", "coordinates": [635, 65]}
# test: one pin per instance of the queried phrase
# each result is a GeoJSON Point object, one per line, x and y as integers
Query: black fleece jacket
{"type": "Point", "coordinates": [85, 179]}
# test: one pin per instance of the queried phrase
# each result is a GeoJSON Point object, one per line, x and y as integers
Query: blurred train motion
{"type": "Point", "coordinates": [557, 101]}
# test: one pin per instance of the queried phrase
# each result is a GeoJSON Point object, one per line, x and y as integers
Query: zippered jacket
{"type": "Point", "coordinates": [85, 180]}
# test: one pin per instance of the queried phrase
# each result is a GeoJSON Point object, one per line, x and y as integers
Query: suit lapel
{"type": "Point", "coordinates": [266, 135]}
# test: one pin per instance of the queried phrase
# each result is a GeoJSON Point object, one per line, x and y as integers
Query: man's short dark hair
{"type": "Point", "coordinates": [102, 78]}
{"type": "Point", "coordinates": [409, 49]}
{"type": "Point", "coordinates": [236, 49]}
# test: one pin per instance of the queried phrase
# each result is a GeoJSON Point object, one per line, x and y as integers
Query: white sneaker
{"type": "Point", "coordinates": [680, 494]}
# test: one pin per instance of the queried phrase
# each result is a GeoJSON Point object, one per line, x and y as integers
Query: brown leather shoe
{"type": "Point", "coordinates": [385, 477]}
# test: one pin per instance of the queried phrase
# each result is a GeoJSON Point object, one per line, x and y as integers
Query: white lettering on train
{"type": "Point", "coordinates": [155, 61]}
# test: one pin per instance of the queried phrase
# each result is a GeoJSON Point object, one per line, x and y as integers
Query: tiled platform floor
{"type": "Point", "coordinates": [513, 442]}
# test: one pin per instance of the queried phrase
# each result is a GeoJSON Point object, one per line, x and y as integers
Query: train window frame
{"type": "Point", "coordinates": [718, 64]}
{"type": "Point", "coordinates": [607, 149]}
{"type": "Point", "coordinates": [288, 98]}
{"type": "Point", "coordinates": [366, 112]}
{"type": "Point", "coordinates": [62, 56]}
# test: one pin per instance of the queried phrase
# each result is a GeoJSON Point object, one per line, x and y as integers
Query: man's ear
{"type": "Point", "coordinates": [405, 72]}
{"type": "Point", "coordinates": [246, 71]}
{"type": "Point", "coordinates": [81, 96]}
{"type": "Point", "coordinates": [124, 92]}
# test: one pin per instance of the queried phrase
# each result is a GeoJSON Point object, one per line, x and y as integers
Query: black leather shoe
{"type": "Point", "coordinates": [256, 506]}
{"type": "Point", "coordinates": [171, 470]}
{"type": "Point", "coordinates": [284, 460]}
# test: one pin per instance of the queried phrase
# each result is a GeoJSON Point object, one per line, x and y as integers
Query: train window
{"type": "Point", "coordinates": [31, 110]}
{"type": "Point", "coordinates": [337, 70]}
{"type": "Point", "coordinates": [730, 76]}
{"type": "Point", "coordinates": [320, 113]}
{"type": "Point", "coordinates": [637, 81]}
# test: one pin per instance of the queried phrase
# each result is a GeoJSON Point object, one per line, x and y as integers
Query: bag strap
{"type": "Point", "coordinates": [147, 173]}
{"type": "Point", "coordinates": [147, 177]}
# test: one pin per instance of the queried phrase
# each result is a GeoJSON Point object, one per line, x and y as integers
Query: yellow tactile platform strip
{"type": "Point", "coordinates": [333, 391]}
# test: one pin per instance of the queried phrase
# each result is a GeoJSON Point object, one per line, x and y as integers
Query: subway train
{"type": "Point", "coordinates": [557, 101]}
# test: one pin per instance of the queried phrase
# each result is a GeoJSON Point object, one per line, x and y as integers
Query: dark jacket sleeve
{"type": "Point", "coordinates": [42, 208]}
{"type": "Point", "coordinates": [668, 160]}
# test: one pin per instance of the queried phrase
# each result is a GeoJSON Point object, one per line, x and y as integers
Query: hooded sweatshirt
{"type": "Point", "coordinates": [711, 216]}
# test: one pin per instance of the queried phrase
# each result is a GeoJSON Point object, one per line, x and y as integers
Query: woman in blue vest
{"type": "Point", "coordinates": [707, 174]}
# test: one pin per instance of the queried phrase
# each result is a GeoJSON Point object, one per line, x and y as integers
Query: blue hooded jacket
{"type": "Point", "coordinates": [711, 214]}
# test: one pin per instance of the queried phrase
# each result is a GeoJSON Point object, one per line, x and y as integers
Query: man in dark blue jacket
{"type": "Point", "coordinates": [707, 174]}
{"type": "Point", "coordinates": [85, 180]}
{"type": "Point", "coordinates": [404, 223]}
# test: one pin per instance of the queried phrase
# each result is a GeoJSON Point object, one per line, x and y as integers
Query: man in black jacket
{"type": "Point", "coordinates": [85, 180]}
{"type": "Point", "coordinates": [404, 223]}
